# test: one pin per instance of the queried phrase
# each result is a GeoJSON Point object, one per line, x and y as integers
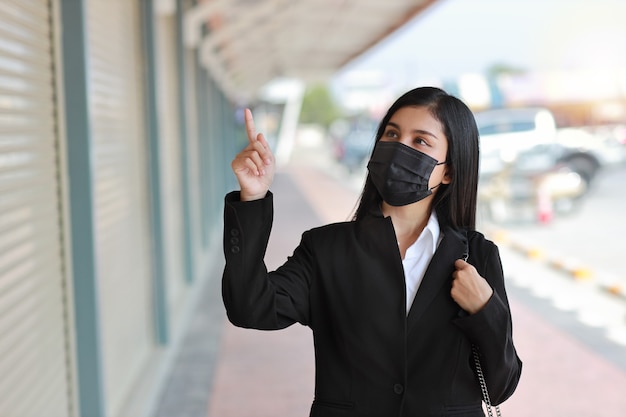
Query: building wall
{"type": "Point", "coordinates": [112, 176]}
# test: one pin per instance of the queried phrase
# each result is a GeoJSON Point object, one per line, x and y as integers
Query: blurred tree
{"type": "Point", "coordinates": [494, 72]}
{"type": "Point", "coordinates": [504, 69]}
{"type": "Point", "coordinates": [319, 106]}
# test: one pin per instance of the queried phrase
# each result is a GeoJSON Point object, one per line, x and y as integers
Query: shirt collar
{"type": "Point", "coordinates": [435, 230]}
{"type": "Point", "coordinates": [428, 240]}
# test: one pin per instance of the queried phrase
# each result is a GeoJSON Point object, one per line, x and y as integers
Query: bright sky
{"type": "Point", "coordinates": [454, 37]}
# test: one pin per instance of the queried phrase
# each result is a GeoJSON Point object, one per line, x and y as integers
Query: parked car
{"type": "Point", "coordinates": [526, 160]}
{"type": "Point", "coordinates": [587, 151]}
{"type": "Point", "coordinates": [354, 148]}
{"type": "Point", "coordinates": [505, 133]}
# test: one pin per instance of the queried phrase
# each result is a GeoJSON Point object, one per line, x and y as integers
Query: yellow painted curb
{"type": "Point", "coordinates": [582, 274]}
{"type": "Point", "coordinates": [500, 236]}
{"type": "Point", "coordinates": [557, 264]}
{"type": "Point", "coordinates": [615, 289]}
{"type": "Point", "coordinates": [535, 253]}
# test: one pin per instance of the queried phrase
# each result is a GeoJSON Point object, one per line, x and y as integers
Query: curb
{"type": "Point", "coordinates": [571, 267]}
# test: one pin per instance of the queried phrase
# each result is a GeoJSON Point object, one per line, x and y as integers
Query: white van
{"type": "Point", "coordinates": [505, 133]}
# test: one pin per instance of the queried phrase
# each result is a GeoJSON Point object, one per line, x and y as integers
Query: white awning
{"type": "Point", "coordinates": [247, 43]}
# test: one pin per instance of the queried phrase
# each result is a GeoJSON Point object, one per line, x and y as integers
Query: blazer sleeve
{"type": "Point", "coordinates": [253, 297]}
{"type": "Point", "coordinates": [491, 330]}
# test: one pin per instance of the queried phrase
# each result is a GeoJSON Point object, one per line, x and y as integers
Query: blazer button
{"type": "Point", "coordinates": [398, 388]}
{"type": "Point", "coordinates": [235, 249]}
{"type": "Point", "coordinates": [234, 232]}
{"type": "Point", "coordinates": [234, 240]}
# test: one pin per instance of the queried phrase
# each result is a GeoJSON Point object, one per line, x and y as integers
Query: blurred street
{"type": "Point", "coordinates": [588, 236]}
{"type": "Point", "coordinates": [569, 332]}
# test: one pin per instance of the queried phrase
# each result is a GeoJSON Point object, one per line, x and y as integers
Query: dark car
{"type": "Point", "coordinates": [355, 148]}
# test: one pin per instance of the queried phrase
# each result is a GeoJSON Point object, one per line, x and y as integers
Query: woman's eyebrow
{"type": "Point", "coordinates": [423, 132]}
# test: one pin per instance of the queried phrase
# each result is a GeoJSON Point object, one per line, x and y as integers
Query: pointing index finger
{"type": "Point", "coordinates": [250, 125]}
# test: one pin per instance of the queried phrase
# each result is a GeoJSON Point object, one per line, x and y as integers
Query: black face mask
{"type": "Point", "coordinates": [401, 173]}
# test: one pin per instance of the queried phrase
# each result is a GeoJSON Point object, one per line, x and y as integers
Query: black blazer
{"type": "Point", "coordinates": [346, 282]}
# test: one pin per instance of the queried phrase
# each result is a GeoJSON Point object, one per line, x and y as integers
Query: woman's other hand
{"type": "Point", "coordinates": [254, 166]}
{"type": "Point", "coordinates": [470, 291]}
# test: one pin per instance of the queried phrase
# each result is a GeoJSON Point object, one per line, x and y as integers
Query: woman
{"type": "Point", "coordinates": [394, 307]}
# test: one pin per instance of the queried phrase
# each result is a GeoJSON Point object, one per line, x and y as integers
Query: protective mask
{"type": "Point", "coordinates": [401, 173]}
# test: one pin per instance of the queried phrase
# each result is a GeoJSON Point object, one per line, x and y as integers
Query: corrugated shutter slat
{"type": "Point", "coordinates": [120, 189]}
{"type": "Point", "coordinates": [170, 155]}
{"type": "Point", "coordinates": [34, 378]}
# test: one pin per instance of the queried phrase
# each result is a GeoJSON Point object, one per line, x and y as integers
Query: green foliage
{"type": "Point", "coordinates": [504, 69]}
{"type": "Point", "coordinates": [318, 106]}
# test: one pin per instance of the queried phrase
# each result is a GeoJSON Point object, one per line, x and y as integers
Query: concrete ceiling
{"type": "Point", "coordinates": [247, 43]}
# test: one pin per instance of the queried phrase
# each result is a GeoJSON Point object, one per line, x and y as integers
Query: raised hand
{"type": "Point", "coordinates": [255, 165]}
{"type": "Point", "coordinates": [470, 291]}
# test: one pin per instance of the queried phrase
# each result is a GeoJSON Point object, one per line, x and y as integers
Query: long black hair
{"type": "Point", "coordinates": [454, 203]}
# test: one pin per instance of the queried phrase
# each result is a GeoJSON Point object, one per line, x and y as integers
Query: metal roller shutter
{"type": "Point", "coordinates": [193, 150]}
{"type": "Point", "coordinates": [34, 355]}
{"type": "Point", "coordinates": [120, 194]}
{"type": "Point", "coordinates": [170, 163]}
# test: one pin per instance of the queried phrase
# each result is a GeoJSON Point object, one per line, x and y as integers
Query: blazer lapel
{"type": "Point", "coordinates": [376, 236]}
{"type": "Point", "coordinates": [438, 273]}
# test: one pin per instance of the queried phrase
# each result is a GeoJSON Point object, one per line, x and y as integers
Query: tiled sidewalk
{"type": "Point", "coordinates": [269, 373]}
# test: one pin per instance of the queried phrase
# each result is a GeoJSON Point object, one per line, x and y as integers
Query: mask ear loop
{"type": "Point", "coordinates": [438, 163]}
{"type": "Point", "coordinates": [432, 188]}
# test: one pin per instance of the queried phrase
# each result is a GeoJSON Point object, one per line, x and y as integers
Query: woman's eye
{"type": "Point", "coordinates": [391, 134]}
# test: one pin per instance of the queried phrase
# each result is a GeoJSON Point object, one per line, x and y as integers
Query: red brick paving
{"type": "Point", "coordinates": [561, 376]}
{"type": "Point", "coordinates": [264, 374]}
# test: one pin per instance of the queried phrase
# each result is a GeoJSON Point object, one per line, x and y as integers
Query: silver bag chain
{"type": "Point", "coordinates": [479, 371]}
{"type": "Point", "coordinates": [483, 384]}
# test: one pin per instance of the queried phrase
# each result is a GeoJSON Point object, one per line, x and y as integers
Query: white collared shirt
{"type": "Point", "coordinates": [418, 256]}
